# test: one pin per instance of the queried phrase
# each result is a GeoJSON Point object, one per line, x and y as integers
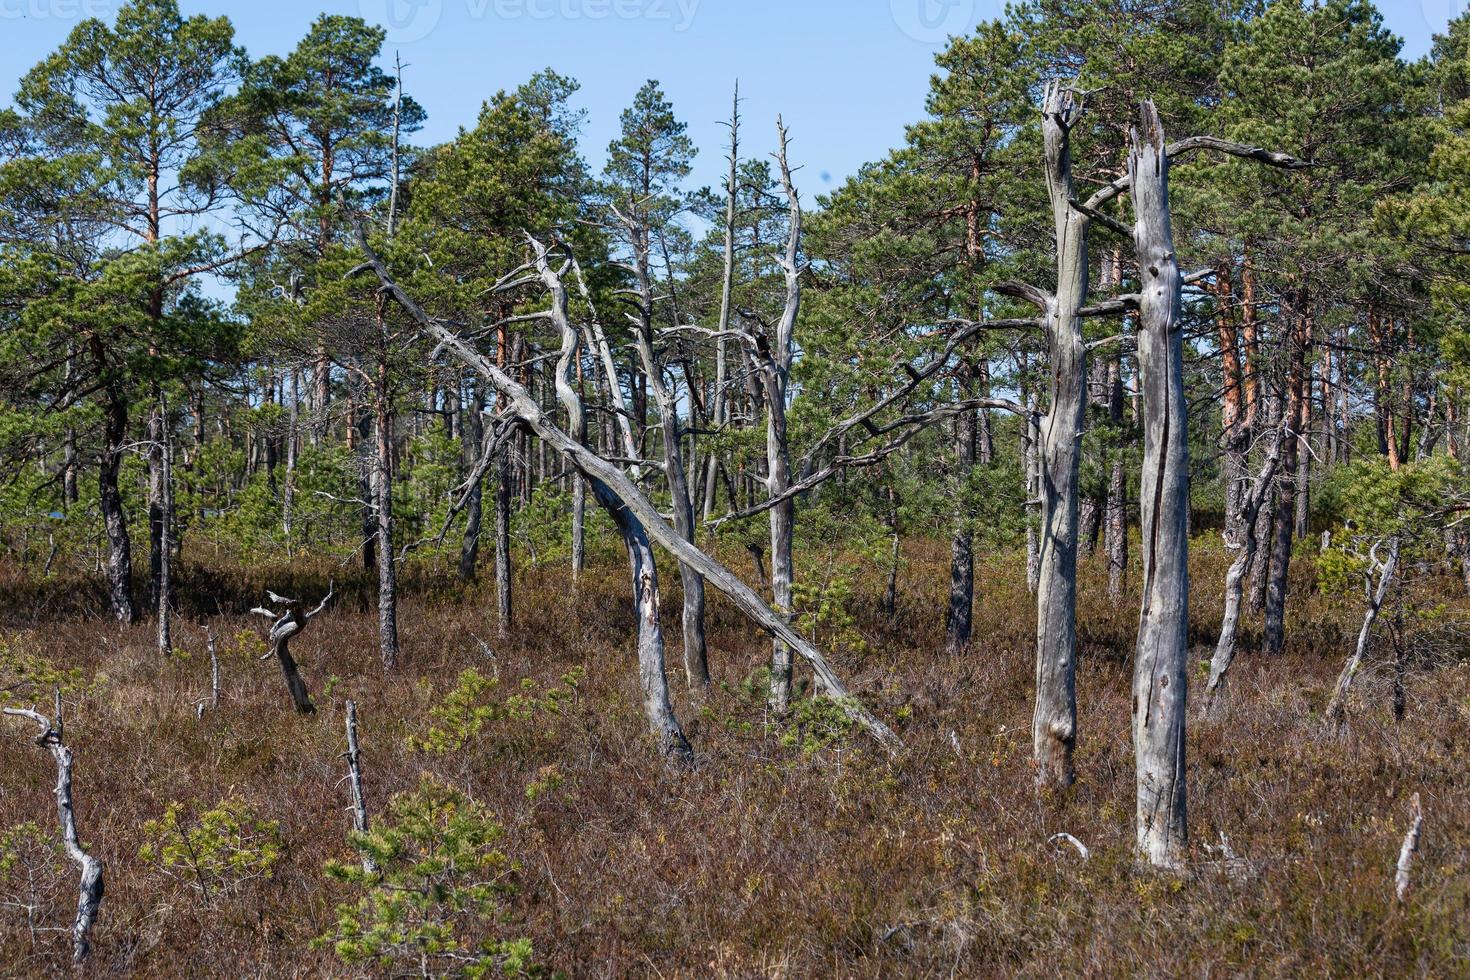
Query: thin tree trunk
{"type": "Point", "coordinates": [166, 523]}
{"type": "Point", "coordinates": [383, 486]}
{"type": "Point", "coordinates": [114, 518]}
{"type": "Point", "coordinates": [472, 433]}
{"type": "Point", "coordinates": [1337, 708]}
{"type": "Point", "coordinates": [504, 610]}
{"type": "Point", "coordinates": [1252, 503]}
{"type": "Point", "coordinates": [959, 616]}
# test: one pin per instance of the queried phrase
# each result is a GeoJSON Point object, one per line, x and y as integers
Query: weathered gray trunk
{"type": "Point", "coordinates": [472, 434]}
{"type": "Point", "coordinates": [696, 666]}
{"type": "Point", "coordinates": [653, 677]}
{"type": "Point", "coordinates": [383, 490]}
{"type": "Point", "coordinates": [166, 523]}
{"type": "Point", "coordinates": [1386, 570]}
{"type": "Point", "coordinates": [579, 526]}
{"type": "Point", "coordinates": [1160, 665]}
{"type": "Point", "coordinates": [606, 478]}
{"type": "Point", "coordinates": [91, 885]}
{"type": "Point", "coordinates": [1253, 498]}
{"type": "Point", "coordinates": [720, 414]}
{"type": "Point", "coordinates": [1054, 724]}
{"type": "Point", "coordinates": [775, 374]}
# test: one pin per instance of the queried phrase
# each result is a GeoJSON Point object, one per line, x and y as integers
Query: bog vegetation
{"type": "Point", "coordinates": [1063, 524]}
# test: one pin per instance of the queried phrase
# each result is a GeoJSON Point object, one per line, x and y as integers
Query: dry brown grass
{"type": "Point", "coordinates": [767, 860]}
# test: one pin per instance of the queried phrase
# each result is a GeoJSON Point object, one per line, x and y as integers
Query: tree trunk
{"type": "Point", "coordinates": [1054, 725]}
{"type": "Point", "coordinates": [114, 518]}
{"type": "Point", "coordinates": [1295, 409]}
{"type": "Point", "coordinates": [1337, 708]}
{"type": "Point", "coordinates": [959, 616]}
{"type": "Point", "coordinates": [504, 611]}
{"type": "Point", "coordinates": [472, 435]}
{"type": "Point", "coordinates": [383, 486]}
{"type": "Point", "coordinates": [1160, 665]}
{"type": "Point", "coordinates": [166, 523]}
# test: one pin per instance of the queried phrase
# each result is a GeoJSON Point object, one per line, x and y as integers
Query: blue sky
{"type": "Point", "coordinates": [847, 74]}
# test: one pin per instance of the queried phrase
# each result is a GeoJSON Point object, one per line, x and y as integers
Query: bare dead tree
{"type": "Point", "coordinates": [91, 886]}
{"type": "Point", "coordinates": [622, 492]}
{"type": "Point", "coordinates": [1248, 505]}
{"type": "Point", "coordinates": [212, 701]}
{"type": "Point", "coordinates": [1160, 663]}
{"type": "Point", "coordinates": [165, 461]}
{"type": "Point", "coordinates": [720, 411]}
{"type": "Point", "coordinates": [651, 663]}
{"type": "Point", "coordinates": [1384, 569]}
{"type": "Point", "coordinates": [671, 431]}
{"type": "Point", "coordinates": [354, 778]}
{"type": "Point", "coordinates": [773, 353]}
{"type": "Point", "coordinates": [290, 618]}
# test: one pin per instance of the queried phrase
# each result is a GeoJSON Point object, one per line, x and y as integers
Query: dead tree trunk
{"type": "Point", "coordinates": [695, 656]}
{"type": "Point", "coordinates": [775, 374]}
{"type": "Point", "coordinates": [1252, 499]}
{"type": "Point", "coordinates": [620, 490]}
{"type": "Point", "coordinates": [651, 666]}
{"type": "Point", "coordinates": [1054, 725]}
{"type": "Point", "coordinates": [383, 501]}
{"type": "Point", "coordinates": [91, 886]}
{"type": "Point", "coordinates": [165, 528]}
{"type": "Point", "coordinates": [720, 415]}
{"type": "Point", "coordinates": [1385, 570]}
{"type": "Point", "coordinates": [504, 608]}
{"type": "Point", "coordinates": [1160, 664]}
{"type": "Point", "coordinates": [290, 619]}
{"type": "Point", "coordinates": [354, 778]}
{"type": "Point", "coordinates": [472, 433]}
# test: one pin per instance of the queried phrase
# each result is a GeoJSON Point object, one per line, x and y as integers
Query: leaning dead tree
{"type": "Point", "coordinates": [89, 895]}
{"type": "Point", "coordinates": [617, 493]}
{"type": "Point", "coordinates": [1248, 506]}
{"type": "Point", "coordinates": [1385, 570]}
{"type": "Point", "coordinates": [290, 618]}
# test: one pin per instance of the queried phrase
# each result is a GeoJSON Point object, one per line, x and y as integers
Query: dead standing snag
{"type": "Point", "coordinates": [290, 619]}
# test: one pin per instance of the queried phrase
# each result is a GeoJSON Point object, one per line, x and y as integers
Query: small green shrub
{"type": "Point", "coordinates": [463, 714]}
{"type": "Point", "coordinates": [438, 886]}
{"type": "Point", "coordinates": [215, 852]}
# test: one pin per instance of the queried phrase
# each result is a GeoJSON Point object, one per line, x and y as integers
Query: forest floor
{"type": "Point", "coordinates": [785, 853]}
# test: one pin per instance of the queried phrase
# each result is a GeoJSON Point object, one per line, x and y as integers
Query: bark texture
{"type": "Point", "coordinates": [1160, 664]}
